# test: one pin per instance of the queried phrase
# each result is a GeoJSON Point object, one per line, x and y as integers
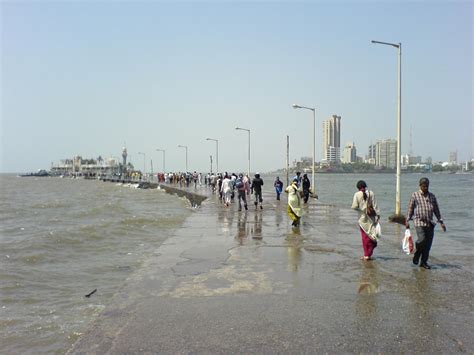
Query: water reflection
{"type": "Point", "coordinates": [227, 217]}
{"type": "Point", "coordinates": [368, 284]}
{"type": "Point", "coordinates": [278, 216]}
{"type": "Point", "coordinates": [423, 295]}
{"type": "Point", "coordinates": [256, 229]}
{"type": "Point", "coordinates": [295, 256]}
{"type": "Point", "coordinates": [242, 230]}
{"type": "Point", "coordinates": [366, 304]}
{"type": "Point", "coordinates": [220, 214]}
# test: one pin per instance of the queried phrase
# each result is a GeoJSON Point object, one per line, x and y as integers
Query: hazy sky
{"type": "Point", "coordinates": [86, 77]}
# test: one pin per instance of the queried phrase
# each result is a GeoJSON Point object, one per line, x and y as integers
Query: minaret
{"type": "Point", "coordinates": [124, 156]}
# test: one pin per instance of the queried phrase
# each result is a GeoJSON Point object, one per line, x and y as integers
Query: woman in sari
{"type": "Point", "coordinates": [369, 215]}
{"type": "Point", "coordinates": [294, 203]}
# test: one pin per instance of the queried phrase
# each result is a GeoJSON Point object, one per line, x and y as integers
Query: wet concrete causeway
{"type": "Point", "coordinates": [246, 282]}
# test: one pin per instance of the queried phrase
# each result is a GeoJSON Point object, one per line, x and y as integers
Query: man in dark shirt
{"type": "Point", "coordinates": [240, 186]}
{"type": "Point", "coordinates": [306, 187]}
{"type": "Point", "coordinates": [422, 206]}
{"type": "Point", "coordinates": [256, 188]}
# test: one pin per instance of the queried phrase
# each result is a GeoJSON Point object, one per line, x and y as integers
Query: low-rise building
{"type": "Point", "coordinates": [86, 167]}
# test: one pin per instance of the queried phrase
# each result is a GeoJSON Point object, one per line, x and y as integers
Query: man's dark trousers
{"type": "Point", "coordinates": [423, 243]}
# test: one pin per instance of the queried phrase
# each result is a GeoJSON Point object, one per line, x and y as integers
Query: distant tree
{"type": "Point", "coordinates": [347, 168]}
{"type": "Point", "coordinates": [437, 168]}
{"type": "Point", "coordinates": [362, 166]}
{"type": "Point", "coordinates": [453, 168]}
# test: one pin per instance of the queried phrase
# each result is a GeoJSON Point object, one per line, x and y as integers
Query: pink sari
{"type": "Point", "coordinates": [368, 243]}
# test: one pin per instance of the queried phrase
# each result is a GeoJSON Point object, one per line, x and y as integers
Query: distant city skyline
{"type": "Point", "coordinates": [82, 78]}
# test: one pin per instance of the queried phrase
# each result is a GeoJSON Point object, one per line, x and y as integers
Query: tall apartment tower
{"type": "Point", "coordinates": [372, 155]}
{"type": "Point", "coordinates": [350, 153]}
{"type": "Point", "coordinates": [332, 139]}
{"type": "Point", "coordinates": [386, 153]}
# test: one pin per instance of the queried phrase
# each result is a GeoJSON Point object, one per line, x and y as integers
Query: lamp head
{"type": "Point", "coordinates": [296, 106]}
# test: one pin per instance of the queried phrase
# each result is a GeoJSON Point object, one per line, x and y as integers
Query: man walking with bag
{"type": "Point", "coordinates": [240, 186]}
{"type": "Point", "coordinates": [422, 206]}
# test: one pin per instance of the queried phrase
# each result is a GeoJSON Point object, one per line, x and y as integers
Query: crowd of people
{"type": "Point", "coordinates": [228, 186]}
{"type": "Point", "coordinates": [421, 209]}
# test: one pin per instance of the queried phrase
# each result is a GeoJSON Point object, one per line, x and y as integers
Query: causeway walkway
{"type": "Point", "coordinates": [245, 282]}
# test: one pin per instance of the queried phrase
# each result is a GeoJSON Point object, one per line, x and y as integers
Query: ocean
{"type": "Point", "coordinates": [60, 239]}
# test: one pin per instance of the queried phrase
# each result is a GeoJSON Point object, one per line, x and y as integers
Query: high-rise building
{"type": "Point", "coordinates": [372, 151]}
{"type": "Point", "coordinates": [371, 155]}
{"type": "Point", "coordinates": [453, 157]}
{"type": "Point", "coordinates": [350, 153]}
{"type": "Point", "coordinates": [386, 153]}
{"type": "Point", "coordinates": [408, 159]}
{"type": "Point", "coordinates": [332, 139]}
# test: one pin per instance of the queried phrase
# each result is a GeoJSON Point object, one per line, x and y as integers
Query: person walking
{"type": "Point", "coordinates": [195, 179]}
{"type": "Point", "coordinates": [233, 177]}
{"type": "Point", "coordinates": [422, 206]}
{"type": "Point", "coordinates": [246, 181]}
{"type": "Point", "coordinates": [298, 178]}
{"type": "Point", "coordinates": [226, 190]}
{"type": "Point", "coordinates": [294, 203]}
{"type": "Point", "coordinates": [241, 195]}
{"type": "Point", "coordinates": [256, 188]}
{"type": "Point", "coordinates": [369, 215]}
{"type": "Point", "coordinates": [306, 187]}
{"type": "Point", "coordinates": [219, 186]}
{"type": "Point", "coordinates": [278, 184]}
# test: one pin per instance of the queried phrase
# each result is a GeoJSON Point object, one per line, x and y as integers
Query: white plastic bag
{"type": "Point", "coordinates": [407, 243]}
{"type": "Point", "coordinates": [378, 230]}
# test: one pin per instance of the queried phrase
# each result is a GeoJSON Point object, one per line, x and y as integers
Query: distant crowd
{"type": "Point", "coordinates": [227, 186]}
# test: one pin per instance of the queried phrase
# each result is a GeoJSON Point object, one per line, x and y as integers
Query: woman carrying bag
{"type": "Point", "coordinates": [369, 215]}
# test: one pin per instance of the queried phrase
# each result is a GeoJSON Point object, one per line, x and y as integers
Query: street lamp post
{"type": "Point", "coordinates": [295, 106]}
{"type": "Point", "coordinates": [217, 151]}
{"type": "Point", "coordinates": [185, 147]}
{"type": "Point", "coordinates": [248, 130]}
{"type": "Point", "coordinates": [398, 217]}
{"type": "Point", "coordinates": [144, 164]}
{"type": "Point", "coordinates": [164, 152]}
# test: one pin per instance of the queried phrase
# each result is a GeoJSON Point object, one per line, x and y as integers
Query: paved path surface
{"type": "Point", "coordinates": [246, 282]}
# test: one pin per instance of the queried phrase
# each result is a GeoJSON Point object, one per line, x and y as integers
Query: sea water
{"type": "Point", "coordinates": [60, 239]}
{"type": "Point", "coordinates": [454, 193]}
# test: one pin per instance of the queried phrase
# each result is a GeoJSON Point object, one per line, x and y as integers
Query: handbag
{"type": "Point", "coordinates": [378, 230]}
{"type": "Point", "coordinates": [370, 207]}
{"type": "Point", "coordinates": [407, 243]}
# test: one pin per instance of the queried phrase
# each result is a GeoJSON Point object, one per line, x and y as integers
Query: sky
{"type": "Point", "coordinates": [90, 77]}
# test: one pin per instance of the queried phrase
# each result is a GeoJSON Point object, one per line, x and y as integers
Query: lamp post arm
{"type": "Point", "coordinates": [388, 44]}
